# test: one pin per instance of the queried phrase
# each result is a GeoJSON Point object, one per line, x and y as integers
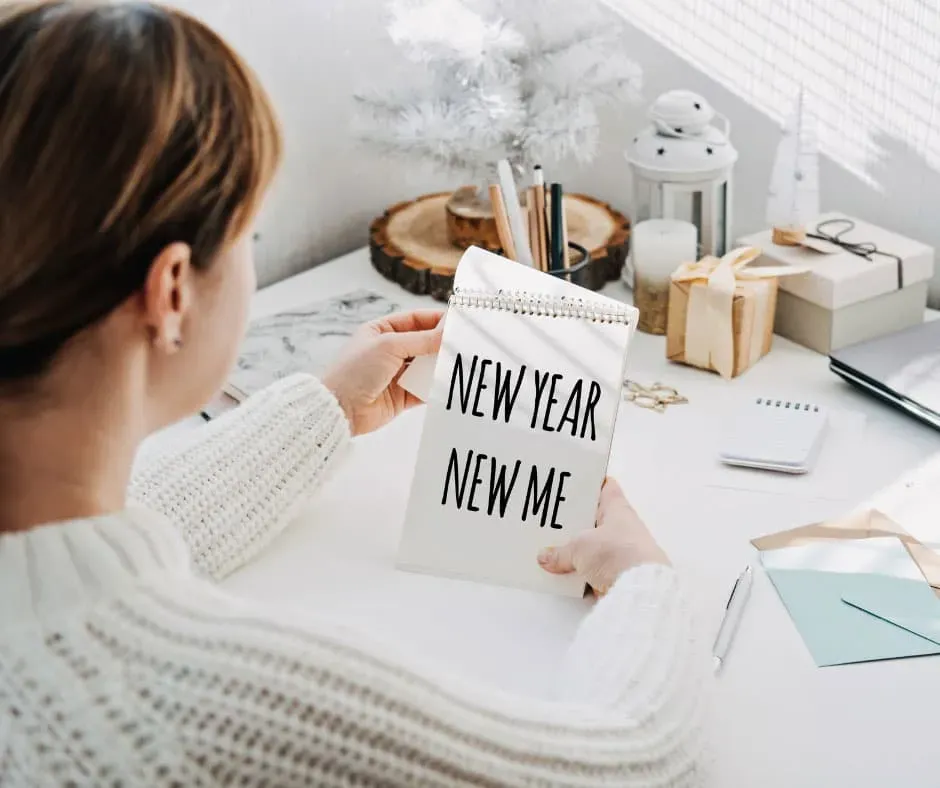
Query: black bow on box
{"type": "Point", "coordinates": [864, 249]}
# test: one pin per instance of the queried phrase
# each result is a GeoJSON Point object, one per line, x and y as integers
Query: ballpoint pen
{"type": "Point", "coordinates": [732, 617]}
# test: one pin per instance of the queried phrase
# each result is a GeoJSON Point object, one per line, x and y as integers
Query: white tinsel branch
{"type": "Point", "coordinates": [447, 31]}
{"type": "Point", "coordinates": [517, 79]}
{"type": "Point", "coordinates": [557, 130]}
{"type": "Point", "coordinates": [467, 135]}
{"type": "Point", "coordinates": [593, 66]}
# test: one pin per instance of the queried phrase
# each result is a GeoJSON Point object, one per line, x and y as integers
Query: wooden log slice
{"type": "Point", "coordinates": [410, 245]}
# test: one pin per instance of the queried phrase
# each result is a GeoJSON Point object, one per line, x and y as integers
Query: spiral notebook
{"type": "Point", "coordinates": [517, 433]}
{"type": "Point", "coordinates": [773, 434]}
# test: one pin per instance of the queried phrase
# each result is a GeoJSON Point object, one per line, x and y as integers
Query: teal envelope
{"type": "Point", "coordinates": [906, 604]}
{"type": "Point", "coordinates": [814, 579]}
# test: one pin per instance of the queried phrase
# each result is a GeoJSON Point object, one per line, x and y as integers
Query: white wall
{"type": "Point", "coordinates": [313, 54]}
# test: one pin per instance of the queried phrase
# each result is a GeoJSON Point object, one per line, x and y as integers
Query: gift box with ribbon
{"type": "Point", "coordinates": [721, 311]}
{"type": "Point", "coordinates": [862, 281]}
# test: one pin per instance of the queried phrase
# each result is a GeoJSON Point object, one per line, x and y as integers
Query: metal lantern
{"type": "Point", "coordinates": [681, 166]}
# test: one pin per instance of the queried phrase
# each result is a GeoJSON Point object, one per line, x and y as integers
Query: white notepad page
{"type": "Point", "coordinates": [563, 376]}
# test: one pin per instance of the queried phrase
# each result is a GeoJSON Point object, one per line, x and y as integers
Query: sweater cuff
{"type": "Point", "coordinates": [236, 483]}
{"type": "Point", "coordinates": [293, 432]}
{"type": "Point", "coordinates": [305, 397]}
{"type": "Point", "coordinates": [633, 630]}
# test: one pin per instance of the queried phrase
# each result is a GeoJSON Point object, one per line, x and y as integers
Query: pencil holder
{"type": "Point", "coordinates": [577, 272]}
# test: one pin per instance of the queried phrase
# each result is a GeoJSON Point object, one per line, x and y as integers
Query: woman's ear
{"type": "Point", "coordinates": [168, 295]}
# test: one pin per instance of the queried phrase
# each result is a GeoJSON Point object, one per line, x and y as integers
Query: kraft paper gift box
{"type": "Point", "coordinates": [721, 312]}
{"type": "Point", "coordinates": [846, 298]}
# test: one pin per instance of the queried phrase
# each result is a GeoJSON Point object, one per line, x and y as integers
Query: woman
{"type": "Point", "coordinates": [135, 148]}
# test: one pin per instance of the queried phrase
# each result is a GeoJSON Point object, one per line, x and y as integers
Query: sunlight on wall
{"type": "Point", "coordinates": [911, 501]}
{"type": "Point", "coordinates": [869, 67]}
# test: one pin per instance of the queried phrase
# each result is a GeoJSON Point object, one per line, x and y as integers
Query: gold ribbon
{"type": "Point", "coordinates": [709, 332]}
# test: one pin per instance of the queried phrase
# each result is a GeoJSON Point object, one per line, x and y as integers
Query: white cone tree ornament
{"type": "Point", "coordinates": [793, 196]}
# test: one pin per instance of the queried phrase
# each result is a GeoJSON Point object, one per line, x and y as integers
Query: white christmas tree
{"type": "Point", "coordinates": [514, 79]}
{"type": "Point", "coordinates": [793, 195]}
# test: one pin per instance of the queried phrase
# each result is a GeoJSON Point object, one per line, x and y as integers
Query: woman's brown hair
{"type": "Point", "coordinates": [124, 127]}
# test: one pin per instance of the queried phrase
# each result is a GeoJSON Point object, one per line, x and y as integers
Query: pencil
{"type": "Point", "coordinates": [557, 239]}
{"type": "Point", "coordinates": [502, 221]}
{"type": "Point", "coordinates": [533, 224]}
{"type": "Point", "coordinates": [538, 177]}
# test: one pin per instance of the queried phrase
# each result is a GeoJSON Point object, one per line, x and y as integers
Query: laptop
{"type": "Point", "coordinates": [902, 369]}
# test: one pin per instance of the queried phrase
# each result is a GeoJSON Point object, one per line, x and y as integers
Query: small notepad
{"type": "Point", "coordinates": [775, 434]}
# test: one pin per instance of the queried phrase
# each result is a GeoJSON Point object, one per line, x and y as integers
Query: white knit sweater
{"type": "Point", "coordinates": [121, 663]}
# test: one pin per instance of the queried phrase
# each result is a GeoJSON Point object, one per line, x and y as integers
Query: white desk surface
{"type": "Point", "coordinates": [780, 721]}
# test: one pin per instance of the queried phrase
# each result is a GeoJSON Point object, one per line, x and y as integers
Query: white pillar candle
{"type": "Point", "coordinates": [657, 248]}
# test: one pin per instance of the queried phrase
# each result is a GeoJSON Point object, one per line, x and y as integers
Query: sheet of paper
{"type": "Point", "coordinates": [305, 338]}
{"type": "Point", "coordinates": [813, 579]}
{"type": "Point", "coordinates": [419, 375]}
{"type": "Point", "coordinates": [516, 436]}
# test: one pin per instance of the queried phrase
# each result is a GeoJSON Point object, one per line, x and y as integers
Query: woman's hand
{"type": "Point", "coordinates": [618, 543]}
{"type": "Point", "coordinates": [365, 378]}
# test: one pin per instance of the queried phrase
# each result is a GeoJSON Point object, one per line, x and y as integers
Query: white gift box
{"type": "Point", "coordinates": [847, 298]}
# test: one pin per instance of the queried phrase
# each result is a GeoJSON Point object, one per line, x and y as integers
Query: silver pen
{"type": "Point", "coordinates": [732, 617]}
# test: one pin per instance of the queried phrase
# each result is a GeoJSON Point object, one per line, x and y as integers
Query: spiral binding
{"type": "Point", "coordinates": [787, 404]}
{"type": "Point", "coordinates": [522, 303]}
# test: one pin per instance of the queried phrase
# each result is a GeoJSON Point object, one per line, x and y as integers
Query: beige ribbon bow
{"type": "Point", "coordinates": [709, 332]}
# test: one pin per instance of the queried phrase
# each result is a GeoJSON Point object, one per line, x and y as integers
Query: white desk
{"type": "Point", "coordinates": [780, 720]}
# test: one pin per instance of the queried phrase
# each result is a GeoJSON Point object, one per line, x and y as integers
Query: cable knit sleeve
{"type": "Point", "coordinates": [234, 484]}
{"type": "Point", "coordinates": [327, 706]}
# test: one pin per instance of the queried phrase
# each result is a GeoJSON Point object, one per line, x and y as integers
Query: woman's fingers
{"type": "Point", "coordinates": [610, 491]}
{"type": "Point", "coordinates": [411, 401]}
{"type": "Point", "coordinates": [413, 343]}
{"type": "Point", "coordinates": [613, 506]}
{"type": "Point", "coordinates": [416, 320]}
{"type": "Point", "coordinates": [409, 334]}
{"type": "Point", "coordinates": [557, 560]}
{"type": "Point", "coordinates": [600, 555]}
{"type": "Point", "coordinates": [562, 561]}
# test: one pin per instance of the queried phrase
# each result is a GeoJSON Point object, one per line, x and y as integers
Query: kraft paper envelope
{"type": "Point", "coordinates": [813, 579]}
{"type": "Point", "coordinates": [867, 524]}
